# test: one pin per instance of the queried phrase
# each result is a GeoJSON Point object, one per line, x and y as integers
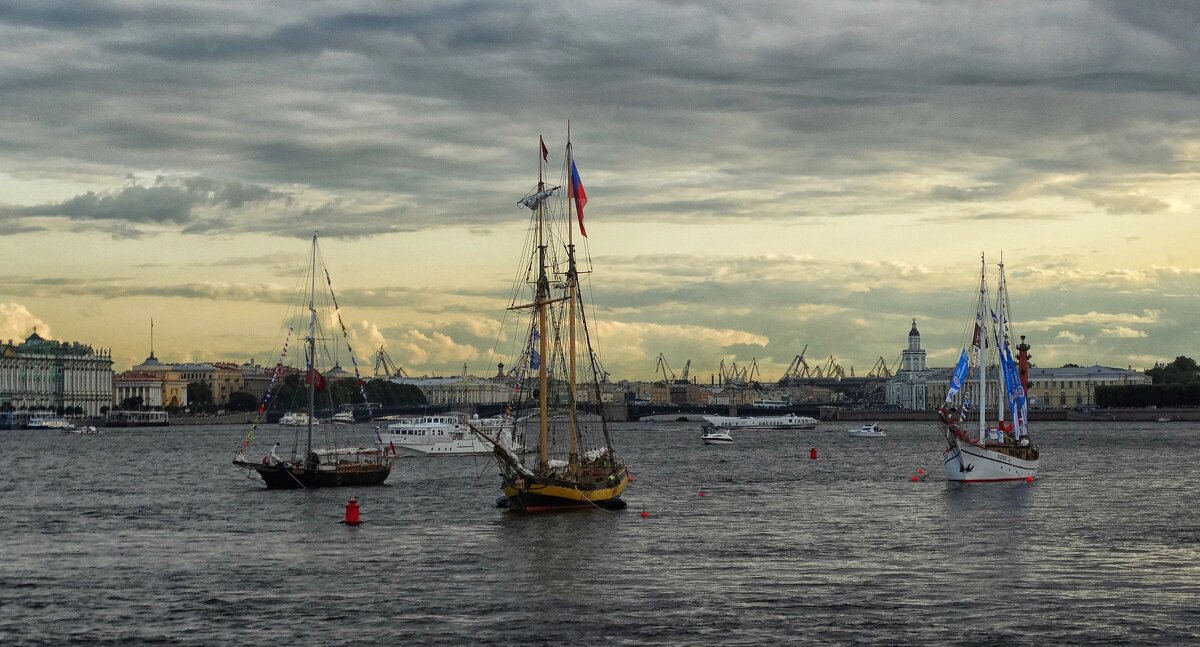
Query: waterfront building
{"type": "Point", "coordinates": [157, 390]}
{"type": "Point", "coordinates": [41, 375]}
{"type": "Point", "coordinates": [909, 389]}
{"type": "Point", "coordinates": [1052, 388]}
{"type": "Point", "coordinates": [222, 378]}
{"type": "Point", "coordinates": [459, 390]}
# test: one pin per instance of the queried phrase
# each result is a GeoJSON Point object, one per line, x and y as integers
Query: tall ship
{"type": "Point", "coordinates": [556, 374]}
{"type": "Point", "coordinates": [979, 450]}
{"type": "Point", "coordinates": [313, 457]}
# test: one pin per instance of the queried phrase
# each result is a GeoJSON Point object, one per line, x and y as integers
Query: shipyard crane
{"type": "Point", "coordinates": [880, 369]}
{"type": "Point", "coordinates": [830, 369]}
{"type": "Point", "coordinates": [683, 376]}
{"type": "Point", "coordinates": [385, 367]}
{"type": "Point", "coordinates": [797, 369]}
{"type": "Point", "coordinates": [662, 367]}
{"type": "Point", "coordinates": [751, 371]}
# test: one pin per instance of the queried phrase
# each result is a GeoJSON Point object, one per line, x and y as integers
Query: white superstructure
{"type": "Point", "coordinates": [445, 434]}
{"type": "Point", "coordinates": [790, 421]}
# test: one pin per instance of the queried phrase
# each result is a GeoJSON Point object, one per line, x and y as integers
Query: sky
{"type": "Point", "coordinates": [762, 178]}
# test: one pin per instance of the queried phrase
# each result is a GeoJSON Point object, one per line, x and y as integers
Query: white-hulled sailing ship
{"type": "Point", "coordinates": [979, 451]}
{"type": "Point", "coordinates": [556, 403]}
{"type": "Point", "coordinates": [327, 461]}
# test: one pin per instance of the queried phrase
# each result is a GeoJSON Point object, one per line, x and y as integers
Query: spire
{"type": "Point", "coordinates": [914, 332]}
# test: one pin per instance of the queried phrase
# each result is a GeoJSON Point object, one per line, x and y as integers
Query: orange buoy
{"type": "Point", "coordinates": [351, 518]}
{"type": "Point", "coordinates": [1029, 479]}
{"type": "Point", "coordinates": [812, 453]}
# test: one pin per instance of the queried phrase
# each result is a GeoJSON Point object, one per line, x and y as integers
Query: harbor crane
{"type": "Point", "coordinates": [683, 376]}
{"type": "Point", "coordinates": [880, 369]}
{"type": "Point", "coordinates": [665, 369]}
{"type": "Point", "coordinates": [385, 367]}
{"type": "Point", "coordinates": [798, 368]}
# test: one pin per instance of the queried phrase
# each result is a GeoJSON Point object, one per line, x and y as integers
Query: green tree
{"type": "Point", "coordinates": [1181, 371]}
{"type": "Point", "coordinates": [199, 396]}
{"type": "Point", "coordinates": [242, 401]}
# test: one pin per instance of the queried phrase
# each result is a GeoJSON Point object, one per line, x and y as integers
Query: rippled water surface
{"type": "Point", "coordinates": [151, 535]}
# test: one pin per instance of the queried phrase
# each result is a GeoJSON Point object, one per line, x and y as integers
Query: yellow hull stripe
{"type": "Point", "coordinates": [571, 494]}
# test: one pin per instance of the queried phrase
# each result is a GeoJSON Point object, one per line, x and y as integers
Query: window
{"type": "Point", "coordinates": [1062, 399]}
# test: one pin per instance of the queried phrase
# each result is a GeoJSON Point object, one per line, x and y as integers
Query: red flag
{"type": "Point", "coordinates": [545, 153]}
{"type": "Point", "coordinates": [314, 376]}
{"type": "Point", "coordinates": [392, 447]}
{"type": "Point", "coordinates": [580, 196]}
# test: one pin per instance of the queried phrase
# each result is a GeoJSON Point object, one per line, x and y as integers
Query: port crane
{"type": "Point", "coordinates": [880, 369]}
{"type": "Point", "coordinates": [385, 367]}
{"type": "Point", "coordinates": [798, 369]}
{"type": "Point", "coordinates": [665, 369]}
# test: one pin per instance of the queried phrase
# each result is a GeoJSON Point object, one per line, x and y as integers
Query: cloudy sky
{"type": "Point", "coordinates": [761, 176]}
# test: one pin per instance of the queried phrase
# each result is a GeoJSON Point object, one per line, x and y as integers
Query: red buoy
{"type": "Point", "coordinates": [920, 470]}
{"type": "Point", "coordinates": [701, 493]}
{"type": "Point", "coordinates": [1029, 479]}
{"type": "Point", "coordinates": [351, 513]}
{"type": "Point", "coordinates": [812, 453]}
{"type": "Point", "coordinates": [644, 513]}
{"type": "Point", "coordinates": [914, 478]}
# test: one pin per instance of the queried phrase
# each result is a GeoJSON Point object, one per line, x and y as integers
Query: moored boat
{"type": "Point", "coordinates": [1004, 452]}
{"type": "Point", "coordinates": [555, 379]}
{"type": "Point", "coordinates": [329, 460]}
{"type": "Point", "coordinates": [48, 422]}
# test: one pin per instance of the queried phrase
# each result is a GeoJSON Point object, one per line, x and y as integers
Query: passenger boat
{"type": "Point", "coordinates": [555, 379]}
{"type": "Point", "coordinates": [789, 421]}
{"type": "Point", "coordinates": [446, 434]}
{"type": "Point", "coordinates": [328, 459]}
{"type": "Point", "coordinates": [872, 430]}
{"type": "Point", "coordinates": [43, 422]}
{"type": "Point", "coordinates": [1004, 452]}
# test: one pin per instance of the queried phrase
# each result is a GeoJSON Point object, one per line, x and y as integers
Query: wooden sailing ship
{"type": "Point", "coordinates": [310, 462]}
{"type": "Point", "coordinates": [556, 397]}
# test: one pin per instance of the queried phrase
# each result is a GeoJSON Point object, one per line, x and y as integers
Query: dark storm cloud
{"type": "Point", "coordinates": [432, 102]}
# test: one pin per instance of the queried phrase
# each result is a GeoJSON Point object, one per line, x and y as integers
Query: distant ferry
{"type": "Point", "coordinates": [443, 434]}
{"type": "Point", "coordinates": [790, 421]}
{"type": "Point", "coordinates": [48, 423]}
{"type": "Point", "coordinates": [136, 419]}
{"type": "Point", "coordinates": [769, 404]}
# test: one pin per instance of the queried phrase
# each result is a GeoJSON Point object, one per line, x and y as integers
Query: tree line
{"type": "Point", "coordinates": [1176, 384]}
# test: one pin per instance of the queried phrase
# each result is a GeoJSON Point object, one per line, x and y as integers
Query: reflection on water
{"type": "Point", "coordinates": [150, 535]}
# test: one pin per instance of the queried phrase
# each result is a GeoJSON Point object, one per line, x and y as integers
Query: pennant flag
{"type": "Point", "coordinates": [580, 196]}
{"type": "Point", "coordinates": [545, 152]}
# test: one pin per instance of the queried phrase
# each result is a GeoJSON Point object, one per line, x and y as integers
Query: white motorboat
{"type": "Point", "coordinates": [714, 437]}
{"type": "Point", "coordinates": [343, 418]}
{"type": "Point", "coordinates": [872, 430]}
{"type": "Point", "coordinates": [789, 421]}
{"type": "Point", "coordinates": [83, 431]}
{"type": "Point", "coordinates": [446, 433]}
{"type": "Point", "coordinates": [296, 419]}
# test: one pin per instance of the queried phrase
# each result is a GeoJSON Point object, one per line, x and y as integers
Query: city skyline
{"type": "Point", "coordinates": [760, 179]}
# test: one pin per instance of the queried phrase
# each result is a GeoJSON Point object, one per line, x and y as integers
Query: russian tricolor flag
{"type": "Point", "coordinates": [580, 196]}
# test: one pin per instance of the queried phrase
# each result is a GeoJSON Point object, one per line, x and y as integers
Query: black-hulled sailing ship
{"type": "Point", "coordinates": [556, 394]}
{"type": "Point", "coordinates": [328, 460]}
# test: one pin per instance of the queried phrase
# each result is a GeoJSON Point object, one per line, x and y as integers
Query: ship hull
{"type": "Point", "coordinates": [968, 463]}
{"type": "Point", "coordinates": [554, 495]}
{"type": "Point", "coordinates": [282, 477]}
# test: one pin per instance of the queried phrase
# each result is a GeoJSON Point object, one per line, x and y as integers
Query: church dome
{"type": "Point", "coordinates": [914, 332]}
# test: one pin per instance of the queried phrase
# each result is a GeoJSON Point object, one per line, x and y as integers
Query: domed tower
{"type": "Point", "coordinates": [913, 357]}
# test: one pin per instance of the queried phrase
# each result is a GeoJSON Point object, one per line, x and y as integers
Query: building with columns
{"type": "Point", "coordinates": [909, 389]}
{"type": "Point", "coordinates": [42, 375]}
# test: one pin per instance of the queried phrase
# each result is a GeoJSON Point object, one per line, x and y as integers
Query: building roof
{"type": "Point", "coordinates": [914, 332]}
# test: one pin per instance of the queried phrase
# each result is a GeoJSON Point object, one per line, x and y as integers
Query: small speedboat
{"type": "Point", "coordinates": [1163, 419]}
{"type": "Point", "coordinates": [872, 430]}
{"type": "Point", "coordinates": [715, 437]}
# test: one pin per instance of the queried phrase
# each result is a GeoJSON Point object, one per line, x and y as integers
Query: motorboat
{"type": "Point", "coordinates": [872, 430]}
{"type": "Point", "coordinates": [789, 421]}
{"type": "Point", "coordinates": [714, 437]}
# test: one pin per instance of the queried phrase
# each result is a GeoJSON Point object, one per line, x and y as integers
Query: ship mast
{"type": "Point", "coordinates": [572, 296]}
{"type": "Point", "coordinates": [541, 304]}
{"type": "Point", "coordinates": [981, 322]}
{"type": "Point", "coordinates": [312, 347]}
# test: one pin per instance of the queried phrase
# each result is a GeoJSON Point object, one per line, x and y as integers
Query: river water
{"type": "Point", "coordinates": [152, 536]}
